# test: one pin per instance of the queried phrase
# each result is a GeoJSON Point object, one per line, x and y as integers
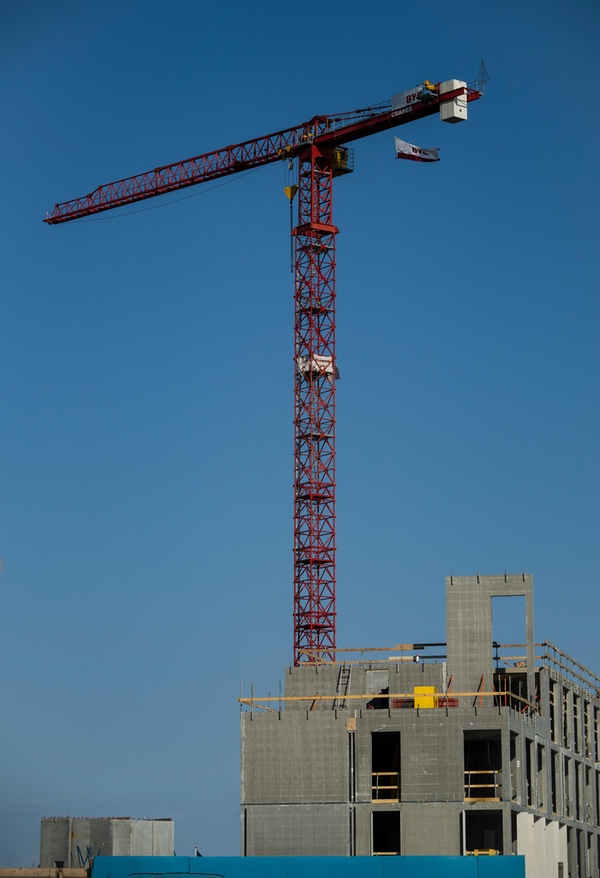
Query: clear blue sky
{"type": "Point", "coordinates": [146, 362]}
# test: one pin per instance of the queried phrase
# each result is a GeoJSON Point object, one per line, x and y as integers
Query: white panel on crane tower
{"type": "Point", "coordinates": [318, 366]}
{"type": "Point", "coordinates": [456, 109]}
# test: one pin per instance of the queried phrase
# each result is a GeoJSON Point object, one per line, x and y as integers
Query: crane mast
{"type": "Point", "coordinates": [318, 147]}
{"type": "Point", "coordinates": [314, 421]}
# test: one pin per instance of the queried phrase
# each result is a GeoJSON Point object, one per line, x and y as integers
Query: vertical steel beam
{"type": "Point", "coordinates": [314, 416]}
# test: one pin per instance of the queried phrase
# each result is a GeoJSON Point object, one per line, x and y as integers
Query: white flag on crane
{"type": "Point", "coordinates": [414, 153]}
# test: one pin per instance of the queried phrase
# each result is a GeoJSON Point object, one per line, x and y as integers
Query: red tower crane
{"type": "Point", "coordinates": [319, 148]}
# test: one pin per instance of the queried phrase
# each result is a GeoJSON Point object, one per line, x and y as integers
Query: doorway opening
{"type": "Point", "coordinates": [386, 833]}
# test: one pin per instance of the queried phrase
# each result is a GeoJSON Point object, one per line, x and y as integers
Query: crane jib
{"type": "Point", "coordinates": [288, 143]}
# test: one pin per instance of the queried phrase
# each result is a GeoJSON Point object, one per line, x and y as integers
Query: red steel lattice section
{"type": "Point", "coordinates": [314, 421]}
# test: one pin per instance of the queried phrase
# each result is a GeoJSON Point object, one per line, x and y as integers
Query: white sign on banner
{"type": "Point", "coordinates": [414, 153]}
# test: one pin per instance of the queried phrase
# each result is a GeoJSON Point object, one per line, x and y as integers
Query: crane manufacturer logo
{"type": "Point", "coordinates": [402, 102]}
{"type": "Point", "coordinates": [411, 96]}
{"type": "Point", "coordinates": [401, 112]}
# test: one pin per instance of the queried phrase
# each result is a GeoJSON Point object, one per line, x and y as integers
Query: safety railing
{"type": "Point", "coordinates": [483, 784]}
{"type": "Point", "coordinates": [385, 785]}
{"type": "Point", "coordinates": [392, 701]}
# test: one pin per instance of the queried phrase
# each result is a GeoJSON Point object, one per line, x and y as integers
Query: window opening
{"type": "Point", "coordinates": [509, 637]}
{"type": "Point", "coordinates": [515, 766]}
{"type": "Point", "coordinates": [528, 771]}
{"type": "Point", "coordinates": [589, 804]}
{"type": "Point", "coordinates": [482, 765]}
{"type": "Point", "coordinates": [565, 717]}
{"type": "Point", "coordinates": [554, 780]}
{"type": "Point", "coordinates": [385, 766]}
{"type": "Point", "coordinates": [588, 855]}
{"type": "Point", "coordinates": [587, 742]}
{"type": "Point", "coordinates": [552, 712]}
{"type": "Point", "coordinates": [378, 683]}
{"type": "Point", "coordinates": [508, 620]}
{"type": "Point", "coordinates": [541, 777]}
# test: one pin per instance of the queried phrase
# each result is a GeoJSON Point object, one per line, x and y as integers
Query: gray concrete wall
{"type": "Point", "coordinates": [163, 838]}
{"type": "Point", "coordinates": [296, 757]}
{"type": "Point", "coordinates": [54, 841]}
{"type": "Point", "coordinates": [431, 829]}
{"type": "Point", "coordinates": [300, 764]}
{"type": "Point", "coordinates": [60, 838]}
{"type": "Point", "coordinates": [400, 677]}
{"type": "Point", "coordinates": [297, 830]}
{"type": "Point", "coordinates": [431, 753]}
{"type": "Point", "coordinates": [107, 836]}
{"type": "Point", "coordinates": [425, 830]}
{"type": "Point", "coordinates": [101, 834]}
{"type": "Point", "coordinates": [295, 763]}
{"type": "Point", "coordinates": [121, 833]}
{"type": "Point", "coordinates": [469, 626]}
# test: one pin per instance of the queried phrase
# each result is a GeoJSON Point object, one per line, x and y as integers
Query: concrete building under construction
{"type": "Point", "coordinates": [456, 748]}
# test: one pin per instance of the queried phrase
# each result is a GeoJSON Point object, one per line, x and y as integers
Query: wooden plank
{"type": "Point", "coordinates": [44, 873]}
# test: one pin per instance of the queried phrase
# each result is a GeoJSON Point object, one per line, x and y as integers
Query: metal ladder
{"type": "Point", "coordinates": [342, 687]}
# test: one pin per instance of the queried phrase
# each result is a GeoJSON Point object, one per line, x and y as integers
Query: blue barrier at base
{"type": "Point", "coordinates": [309, 867]}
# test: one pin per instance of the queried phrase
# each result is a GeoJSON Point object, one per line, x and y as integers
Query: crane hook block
{"type": "Point", "coordinates": [290, 191]}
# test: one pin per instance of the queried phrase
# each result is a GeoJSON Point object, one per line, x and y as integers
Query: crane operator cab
{"type": "Point", "coordinates": [343, 161]}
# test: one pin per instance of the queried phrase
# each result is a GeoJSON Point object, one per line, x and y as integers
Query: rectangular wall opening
{"type": "Point", "coordinates": [588, 800]}
{"type": "Point", "coordinates": [552, 696]}
{"type": "Point", "coordinates": [483, 765]}
{"type": "Point", "coordinates": [565, 717]}
{"type": "Point", "coordinates": [386, 833]}
{"type": "Point", "coordinates": [378, 683]}
{"type": "Point", "coordinates": [515, 770]}
{"type": "Point", "coordinates": [587, 740]}
{"type": "Point", "coordinates": [528, 771]}
{"type": "Point", "coordinates": [509, 620]}
{"type": "Point", "coordinates": [385, 766]}
{"type": "Point", "coordinates": [554, 780]}
{"type": "Point", "coordinates": [483, 832]}
{"type": "Point", "coordinates": [541, 777]}
{"type": "Point", "coordinates": [567, 786]}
